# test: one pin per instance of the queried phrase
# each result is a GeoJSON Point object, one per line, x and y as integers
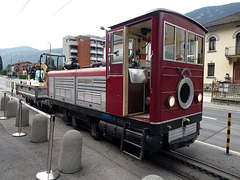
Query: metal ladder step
{"type": "Point", "coordinates": [130, 154]}
{"type": "Point", "coordinates": [134, 132]}
{"type": "Point", "coordinates": [140, 147]}
{"type": "Point", "coordinates": [132, 143]}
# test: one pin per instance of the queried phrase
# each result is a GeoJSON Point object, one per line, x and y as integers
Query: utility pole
{"type": "Point", "coordinates": [11, 65]}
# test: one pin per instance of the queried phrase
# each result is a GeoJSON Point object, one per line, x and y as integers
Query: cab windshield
{"type": "Point", "coordinates": [178, 42]}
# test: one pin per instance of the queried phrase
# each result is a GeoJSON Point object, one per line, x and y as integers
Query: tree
{"type": "Point", "coordinates": [4, 72]}
{"type": "Point", "coordinates": [1, 64]}
{"type": "Point", "coordinates": [16, 68]}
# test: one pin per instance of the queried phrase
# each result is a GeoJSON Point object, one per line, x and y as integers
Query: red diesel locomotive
{"type": "Point", "coordinates": [149, 95]}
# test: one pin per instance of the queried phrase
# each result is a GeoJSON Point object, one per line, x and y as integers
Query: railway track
{"type": "Point", "coordinates": [199, 166]}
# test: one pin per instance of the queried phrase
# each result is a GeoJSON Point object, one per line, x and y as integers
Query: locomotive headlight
{"type": "Point", "coordinates": [171, 101]}
{"type": "Point", "coordinates": [199, 97]}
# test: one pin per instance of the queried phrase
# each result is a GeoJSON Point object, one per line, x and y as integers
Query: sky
{"type": "Point", "coordinates": [39, 23]}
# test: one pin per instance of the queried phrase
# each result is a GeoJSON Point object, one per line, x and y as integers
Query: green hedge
{"type": "Point", "coordinates": [4, 72]}
{"type": "Point", "coordinates": [22, 76]}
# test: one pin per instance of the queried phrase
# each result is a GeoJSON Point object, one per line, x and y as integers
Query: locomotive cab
{"type": "Point", "coordinates": [155, 74]}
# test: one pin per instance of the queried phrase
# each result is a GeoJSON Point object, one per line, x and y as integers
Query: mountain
{"type": "Point", "coordinates": [24, 53]}
{"type": "Point", "coordinates": [211, 13]}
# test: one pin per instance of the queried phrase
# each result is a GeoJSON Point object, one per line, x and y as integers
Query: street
{"type": "Point", "coordinates": [214, 128]}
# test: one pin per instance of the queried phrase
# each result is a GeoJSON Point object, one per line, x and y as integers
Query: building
{"type": "Point", "coordinates": [97, 46]}
{"type": "Point", "coordinates": [222, 50]}
{"type": "Point", "coordinates": [21, 67]}
{"type": "Point", "coordinates": [70, 47]}
{"type": "Point", "coordinates": [87, 49]}
{"type": "Point", "coordinates": [83, 50]}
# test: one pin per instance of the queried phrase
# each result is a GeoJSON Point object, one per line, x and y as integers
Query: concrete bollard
{"type": "Point", "coordinates": [2, 101]}
{"type": "Point", "coordinates": [70, 152]}
{"type": "Point", "coordinates": [152, 177]}
{"type": "Point", "coordinates": [25, 116]}
{"type": "Point", "coordinates": [39, 128]}
{"type": "Point", "coordinates": [12, 108]}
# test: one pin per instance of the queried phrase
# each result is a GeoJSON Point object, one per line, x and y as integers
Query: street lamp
{"type": "Point", "coordinates": [50, 46]}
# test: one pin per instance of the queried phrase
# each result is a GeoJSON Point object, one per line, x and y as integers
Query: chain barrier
{"type": "Point", "coordinates": [49, 173]}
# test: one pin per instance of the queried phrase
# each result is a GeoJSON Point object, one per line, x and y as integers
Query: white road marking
{"type": "Point", "coordinates": [217, 147]}
{"type": "Point", "coordinates": [209, 118]}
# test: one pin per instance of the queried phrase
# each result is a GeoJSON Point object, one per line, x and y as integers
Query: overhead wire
{"type": "Point", "coordinates": [60, 8]}
{"type": "Point", "coordinates": [23, 8]}
{"type": "Point", "coordinates": [1, 3]}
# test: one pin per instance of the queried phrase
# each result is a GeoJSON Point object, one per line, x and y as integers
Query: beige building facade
{"type": "Point", "coordinates": [222, 50]}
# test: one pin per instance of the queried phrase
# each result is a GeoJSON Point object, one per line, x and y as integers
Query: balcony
{"type": "Point", "coordinates": [73, 50]}
{"type": "Point", "coordinates": [93, 58]}
{"type": "Point", "coordinates": [97, 44]}
{"type": "Point", "coordinates": [72, 43]}
{"type": "Point", "coordinates": [232, 53]}
{"type": "Point", "coordinates": [93, 51]}
{"type": "Point", "coordinates": [92, 44]}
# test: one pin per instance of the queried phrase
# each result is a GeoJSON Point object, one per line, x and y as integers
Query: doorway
{"type": "Point", "coordinates": [139, 59]}
{"type": "Point", "coordinates": [236, 73]}
{"type": "Point", "coordinates": [238, 44]}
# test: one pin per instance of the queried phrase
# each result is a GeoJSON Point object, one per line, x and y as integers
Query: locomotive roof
{"type": "Point", "coordinates": [149, 13]}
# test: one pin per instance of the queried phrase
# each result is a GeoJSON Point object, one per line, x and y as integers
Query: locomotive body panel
{"type": "Point", "coordinates": [83, 87]}
{"type": "Point", "coordinates": [91, 92]}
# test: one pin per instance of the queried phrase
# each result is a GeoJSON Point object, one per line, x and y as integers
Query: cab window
{"type": "Point", "coordinates": [115, 52]}
{"type": "Point", "coordinates": [169, 42]}
{"type": "Point", "coordinates": [174, 43]}
{"type": "Point", "coordinates": [117, 48]}
{"type": "Point", "coordinates": [195, 49]}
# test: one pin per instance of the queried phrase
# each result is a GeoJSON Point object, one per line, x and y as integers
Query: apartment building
{"type": "Point", "coordinates": [87, 49]}
{"type": "Point", "coordinates": [222, 50]}
{"type": "Point", "coordinates": [70, 46]}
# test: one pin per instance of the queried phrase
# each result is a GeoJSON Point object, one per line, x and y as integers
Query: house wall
{"type": "Point", "coordinates": [83, 50]}
{"type": "Point", "coordinates": [21, 71]}
{"type": "Point", "coordinates": [225, 39]}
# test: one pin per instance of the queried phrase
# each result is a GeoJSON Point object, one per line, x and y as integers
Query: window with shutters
{"type": "Point", "coordinates": [211, 69]}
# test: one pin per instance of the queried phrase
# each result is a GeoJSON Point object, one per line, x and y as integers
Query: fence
{"type": "Point", "coordinates": [226, 90]}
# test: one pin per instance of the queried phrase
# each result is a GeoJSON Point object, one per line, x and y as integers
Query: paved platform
{"type": "Point", "coordinates": [21, 159]}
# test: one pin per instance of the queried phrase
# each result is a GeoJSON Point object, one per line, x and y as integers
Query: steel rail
{"type": "Point", "coordinates": [163, 162]}
{"type": "Point", "coordinates": [183, 176]}
{"type": "Point", "coordinates": [201, 166]}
